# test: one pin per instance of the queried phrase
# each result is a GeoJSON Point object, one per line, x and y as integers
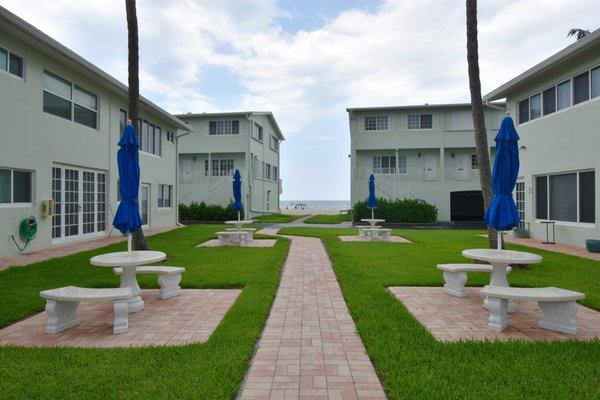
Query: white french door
{"type": "Point", "coordinates": [430, 168]}
{"type": "Point", "coordinates": [461, 172]}
{"type": "Point", "coordinates": [145, 203]}
{"type": "Point", "coordinates": [79, 203]}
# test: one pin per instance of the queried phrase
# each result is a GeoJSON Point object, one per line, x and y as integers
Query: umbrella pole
{"type": "Point", "coordinates": [372, 213]}
{"type": "Point", "coordinates": [499, 240]}
{"type": "Point", "coordinates": [129, 243]}
{"type": "Point", "coordinates": [238, 215]}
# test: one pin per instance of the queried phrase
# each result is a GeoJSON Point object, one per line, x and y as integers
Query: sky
{"type": "Point", "coordinates": [307, 61]}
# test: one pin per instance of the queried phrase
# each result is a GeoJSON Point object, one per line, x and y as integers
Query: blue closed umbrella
{"type": "Point", "coordinates": [502, 212]}
{"type": "Point", "coordinates": [237, 192]}
{"type": "Point", "coordinates": [127, 219]}
{"type": "Point", "coordinates": [372, 200]}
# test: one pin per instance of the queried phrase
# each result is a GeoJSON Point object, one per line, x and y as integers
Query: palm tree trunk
{"type": "Point", "coordinates": [481, 142]}
{"type": "Point", "coordinates": [139, 239]}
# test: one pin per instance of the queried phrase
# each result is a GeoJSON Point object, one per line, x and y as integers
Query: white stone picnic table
{"type": "Point", "coordinates": [500, 260]}
{"type": "Point", "coordinates": [129, 262]}
{"type": "Point", "coordinates": [239, 224]}
{"type": "Point", "coordinates": [372, 221]}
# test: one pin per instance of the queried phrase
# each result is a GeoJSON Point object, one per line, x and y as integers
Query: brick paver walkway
{"type": "Point", "coordinates": [557, 248]}
{"type": "Point", "coordinates": [309, 348]}
{"type": "Point", "coordinates": [450, 318]}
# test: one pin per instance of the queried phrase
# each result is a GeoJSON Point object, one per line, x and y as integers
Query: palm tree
{"type": "Point", "coordinates": [578, 32]}
{"type": "Point", "coordinates": [139, 239]}
{"type": "Point", "coordinates": [481, 142]}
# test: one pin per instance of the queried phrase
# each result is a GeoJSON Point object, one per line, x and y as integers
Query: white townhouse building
{"type": "Point", "coordinates": [220, 144]}
{"type": "Point", "coordinates": [61, 118]}
{"type": "Point", "coordinates": [421, 151]}
{"type": "Point", "coordinates": [556, 105]}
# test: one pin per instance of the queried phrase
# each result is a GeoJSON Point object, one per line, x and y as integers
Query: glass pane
{"type": "Point", "coordinates": [581, 88]}
{"type": "Point", "coordinates": [535, 104]}
{"type": "Point", "coordinates": [235, 127]}
{"type": "Point", "coordinates": [85, 98]}
{"type": "Point", "coordinates": [5, 191]}
{"type": "Point", "coordinates": [144, 205]}
{"type": "Point", "coordinates": [122, 121]}
{"type": "Point", "coordinates": [524, 111]}
{"type": "Point", "coordinates": [145, 136]}
{"type": "Point", "coordinates": [549, 101]}
{"type": "Point", "coordinates": [413, 121]}
{"type": "Point", "coordinates": [563, 95]}
{"type": "Point", "coordinates": [151, 139]}
{"type": "Point", "coordinates": [3, 59]}
{"type": "Point", "coordinates": [22, 187]}
{"type": "Point", "coordinates": [587, 197]}
{"type": "Point", "coordinates": [85, 117]}
{"type": "Point", "coordinates": [57, 106]}
{"type": "Point", "coordinates": [596, 82]}
{"type": "Point", "coordinates": [563, 197]}
{"type": "Point", "coordinates": [541, 197]}
{"type": "Point", "coordinates": [426, 121]}
{"type": "Point", "coordinates": [157, 140]}
{"type": "Point", "coordinates": [16, 65]}
{"type": "Point", "coordinates": [160, 195]}
{"type": "Point", "coordinates": [57, 85]}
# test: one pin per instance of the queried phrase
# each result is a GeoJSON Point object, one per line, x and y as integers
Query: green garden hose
{"type": "Point", "coordinates": [27, 231]}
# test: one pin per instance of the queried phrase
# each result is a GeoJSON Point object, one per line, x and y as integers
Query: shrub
{"type": "Point", "coordinates": [399, 211]}
{"type": "Point", "coordinates": [207, 212]}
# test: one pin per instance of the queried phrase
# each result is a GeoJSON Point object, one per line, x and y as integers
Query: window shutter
{"type": "Point", "coordinates": [241, 126]}
{"type": "Point", "coordinates": [361, 123]}
{"type": "Point", "coordinates": [436, 121]}
{"type": "Point", "coordinates": [206, 127]}
{"type": "Point", "coordinates": [391, 122]}
{"type": "Point", "coordinates": [404, 122]}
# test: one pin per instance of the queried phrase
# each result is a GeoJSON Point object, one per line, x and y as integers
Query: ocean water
{"type": "Point", "coordinates": [330, 206]}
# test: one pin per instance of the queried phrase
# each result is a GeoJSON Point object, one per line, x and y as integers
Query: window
{"type": "Point", "coordinates": [11, 63]}
{"type": "Point", "coordinates": [596, 82]}
{"type": "Point", "coordinates": [170, 136]}
{"type": "Point", "coordinates": [66, 100]}
{"type": "Point", "coordinates": [563, 95]}
{"type": "Point", "coordinates": [16, 186]}
{"type": "Point", "coordinates": [384, 164]}
{"type": "Point", "coordinates": [222, 167]}
{"type": "Point", "coordinates": [164, 195]}
{"type": "Point", "coordinates": [535, 106]}
{"type": "Point", "coordinates": [122, 121]}
{"type": "Point", "coordinates": [581, 88]}
{"type": "Point", "coordinates": [257, 131]}
{"type": "Point", "coordinates": [401, 164]}
{"type": "Point", "coordinates": [274, 143]}
{"type": "Point", "coordinates": [461, 120]}
{"type": "Point", "coordinates": [523, 111]}
{"type": "Point", "coordinates": [267, 171]}
{"type": "Point", "coordinates": [377, 123]}
{"type": "Point", "coordinates": [549, 100]}
{"type": "Point", "coordinates": [151, 138]}
{"type": "Point", "coordinates": [566, 197]}
{"type": "Point", "coordinates": [420, 121]}
{"type": "Point", "coordinates": [224, 128]}
{"type": "Point", "coordinates": [474, 162]}
{"type": "Point", "coordinates": [275, 173]}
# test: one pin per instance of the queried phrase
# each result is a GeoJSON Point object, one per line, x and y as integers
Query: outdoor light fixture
{"type": "Point", "coordinates": [452, 155]}
{"type": "Point", "coordinates": [194, 158]}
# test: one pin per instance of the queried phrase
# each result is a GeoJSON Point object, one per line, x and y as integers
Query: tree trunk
{"type": "Point", "coordinates": [481, 142]}
{"type": "Point", "coordinates": [139, 241]}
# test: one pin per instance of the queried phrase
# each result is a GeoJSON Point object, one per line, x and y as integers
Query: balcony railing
{"type": "Point", "coordinates": [417, 174]}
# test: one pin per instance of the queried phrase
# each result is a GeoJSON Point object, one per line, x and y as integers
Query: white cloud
{"type": "Point", "coordinates": [401, 52]}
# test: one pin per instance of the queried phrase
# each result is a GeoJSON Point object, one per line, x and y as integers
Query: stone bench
{"type": "Point", "coordinates": [232, 237]}
{"type": "Point", "coordinates": [61, 306]}
{"type": "Point", "coordinates": [168, 278]}
{"type": "Point", "coordinates": [558, 306]}
{"type": "Point", "coordinates": [455, 276]}
{"type": "Point", "coordinates": [249, 232]}
{"type": "Point", "coordinates": [374, 233]}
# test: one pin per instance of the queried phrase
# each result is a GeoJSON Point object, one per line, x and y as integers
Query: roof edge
{"type": "Point", "coordinates": [421, 106]}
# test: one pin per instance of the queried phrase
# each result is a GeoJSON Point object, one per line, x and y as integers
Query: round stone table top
{"type": "Point", "coordinates": [126, 259]}
{"type": "Point", "coordinates": [372, 220]}
{"type": "Point", "coordinates": [502, 256]}
{"type": "Point", "coordinates": [239, 222]}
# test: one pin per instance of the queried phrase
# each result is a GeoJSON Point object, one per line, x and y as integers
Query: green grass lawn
{"type": "Point", "coordinates": [212, 370]}
{"type": "Point", "coordinates": [276, 218]}
{"type": "Point", "coordinates": [328, 219]}
{"type": "Point", "coordinates": [413, 365]}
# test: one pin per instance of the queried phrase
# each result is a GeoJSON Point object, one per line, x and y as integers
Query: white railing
{"type": "Point", "coordinates": [413, 175]}
{"type": "Point", "coordinates": [462, 175]}
{"type": "Point", "coordinates": [213, 189]}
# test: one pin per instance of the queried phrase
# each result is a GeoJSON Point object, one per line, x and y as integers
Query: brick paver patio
{"type": "Point", "coordinates": [356, 238]}
{"type": "Point", "coordinates": [309, 348]}
{"type": "Point", "coordinates": [189, 318]}
{"type": "Point", "coordinates": [450, 318]}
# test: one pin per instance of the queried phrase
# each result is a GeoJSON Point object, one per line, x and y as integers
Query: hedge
{"type": "Point", "coordinates": [207, 212]}
{"type": "Point", "coordinates": [398, 211]}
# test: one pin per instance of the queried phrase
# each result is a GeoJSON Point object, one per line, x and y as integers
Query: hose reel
{"type": "Point", "coordinates": [27, 232]}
